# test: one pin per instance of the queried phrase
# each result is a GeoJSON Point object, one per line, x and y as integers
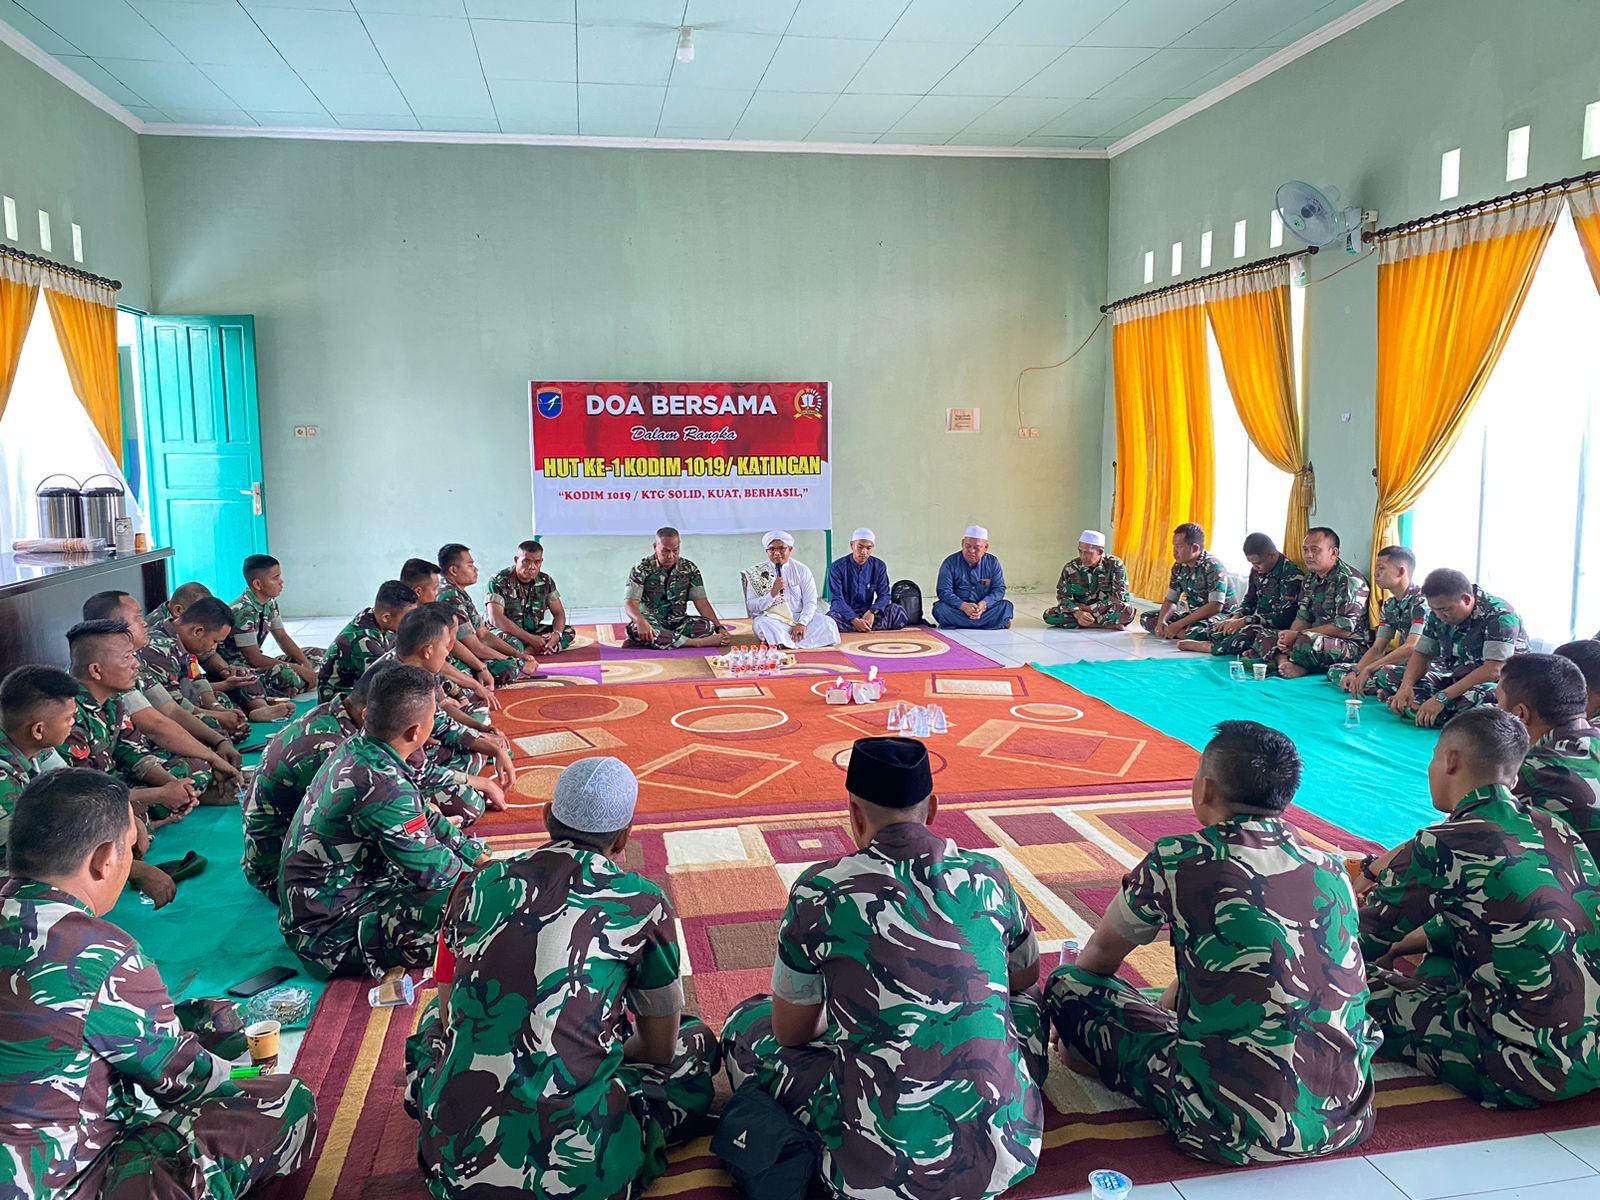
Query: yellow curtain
{"type": "Point", "coordinates": [1586, 216]}
{"type": "Point", "coordinates": [1165, 458]}
{"type": "Point", "coordinates": [1250, 318]}
{"type": "Point", "coordinates": [87, 332]}
{"type": "Point", "coordinates": [16, 311]}
{"type": "Point", "coordinates": [1448, 296]}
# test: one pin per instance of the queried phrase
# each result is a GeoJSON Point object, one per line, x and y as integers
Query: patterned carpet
{"type": "Point", "coordinates": [598, 656]}
{"type": "Point", "coordinates": [720, 749]}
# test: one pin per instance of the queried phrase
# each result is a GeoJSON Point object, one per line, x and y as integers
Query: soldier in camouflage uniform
{"type": "Point", "coordinates": [1270, 602]}
{"type": "Point", "coordinates": [180, 741]}
{"type": "Point", "coordinates": [903, 1027]}
{"type": "Point", "coordinates": [222, 687]}
{"type": "Point", "coordinates": [1331, 624]}
{"type": "Point", "coordinates": [660, 589]}
{"type": "Point", "coordinates": [522, 596]}
{"type": "Point", "coordinates": [1504, 900]}
{"type": "Point", "coordinates": [291, 762]}
{"type": "Point", "coordinates": [255, 616]}
{"type": "Point", "coordinates": [449, 769]}
{"type": "Point", "coordinates": [1561, 774]}
{"type": "Point", "coordinates": [1400, 622]}
{"type": "Point", "coordinates": [478, 647]}
{"type": "Point", "coordinates": [523, 1075]}
{"type": "Point", "coordinates": [367, 864]}
{"type": "Point", "coordinates": [1585, 655]}
{"type": "Point", "coordinates": [363, 640]}
{"type": "Point", "coordinates": [37, 707]}
{"type": "Point", "coordinates": [1261, 1050]}
{"type": "Point", "coordinates": [109, 1090]}
{"type": "Point", "coordinates": [1200, 592]}
{"type": "Point", "coordinates": [1454, 665]}
{"type": "Point", "coordinates": [1092, 592]}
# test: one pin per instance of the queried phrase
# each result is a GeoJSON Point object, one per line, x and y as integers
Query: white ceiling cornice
{"type": "Point", "coordinates": [882, 149]}
{"type": "Point", "coordinates": [1312, 41]}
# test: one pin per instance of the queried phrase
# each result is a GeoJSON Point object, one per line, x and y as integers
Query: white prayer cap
{"type": "Point", "coordinates": [1092, 537]}
{"type": "Point", "coordinates": [595, 795]}
{"type": "Point", "coordinates": [863, 535]}
{"type": "Point", "coordinates": [778, 535]}
{"type": "Point", "coordinates": [976, 531]}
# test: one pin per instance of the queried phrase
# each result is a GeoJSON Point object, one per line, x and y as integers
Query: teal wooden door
{"type": "Point", "coordinates": [203, 445]}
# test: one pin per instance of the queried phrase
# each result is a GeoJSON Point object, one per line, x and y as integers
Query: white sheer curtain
{"type": "Point", "coordinates": [1517, 504]}
{"type": "Point", "coordinates": [45, 430]}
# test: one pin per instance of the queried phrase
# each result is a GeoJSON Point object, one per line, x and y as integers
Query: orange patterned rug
{"type": "Point", "coordinates": [728, 747]}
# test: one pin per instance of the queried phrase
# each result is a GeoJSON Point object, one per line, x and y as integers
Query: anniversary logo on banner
{"type": "Point", "coordinates": [627, 458]}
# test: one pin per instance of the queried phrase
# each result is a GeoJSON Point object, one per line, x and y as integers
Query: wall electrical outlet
{"type": "Point", "coordinates": [1028, 431]}
{"type": "Point", "coordinates": [306, 431]}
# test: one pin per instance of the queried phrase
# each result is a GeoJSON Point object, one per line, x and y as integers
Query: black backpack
{"type": "Point", "coordinates": [767, 1151]}
{"type": "Point", "coordinates": [909, 597]}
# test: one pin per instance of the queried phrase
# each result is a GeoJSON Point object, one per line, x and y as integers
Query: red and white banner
{"type": "Point", "coordinates": [628, 458]}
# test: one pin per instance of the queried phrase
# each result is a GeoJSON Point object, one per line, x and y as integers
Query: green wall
{"type": "Point", "coordinates": [1369, 113]}
{"type": "Point", "coordinates": [60, 153]}
{"type": "Point", "coordinates": [405, 294]}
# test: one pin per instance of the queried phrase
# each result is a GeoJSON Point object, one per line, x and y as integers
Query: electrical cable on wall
{"type": "Point", "coordinates": [1053, 366]}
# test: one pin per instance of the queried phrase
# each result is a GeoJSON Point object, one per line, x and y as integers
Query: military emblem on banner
{"type": "Point", "coordinates": [549, 402]}
{"type": "Point", "coordinates": [808, 403]}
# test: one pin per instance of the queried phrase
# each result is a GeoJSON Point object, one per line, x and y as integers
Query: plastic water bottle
{"type": "Point", "coordinates": [892, 723]}
{"type": "Point", "coordinates": [1109, 1185]}
{"type": "Point", "coordinates": [940, 723]}
{"type": "Point", "coordinates": [1236, 671]}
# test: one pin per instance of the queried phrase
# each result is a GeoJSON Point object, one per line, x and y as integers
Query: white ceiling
{"type": "Point", "coordinates": [1033, 74]}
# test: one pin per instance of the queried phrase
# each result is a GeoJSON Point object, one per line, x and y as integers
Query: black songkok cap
{"type": "Point", "coordinates": [891, 772]}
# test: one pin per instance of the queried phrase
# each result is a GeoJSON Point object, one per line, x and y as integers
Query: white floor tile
{"type": "Point", "coordinates": [1585, 1143]}
{"type": "Point", "coordinates": [1570, 1189]}
{"type": "Point", "coordinates": [1344, 1177]}
{"type": "Point", "coordinates": [1444, 1171]}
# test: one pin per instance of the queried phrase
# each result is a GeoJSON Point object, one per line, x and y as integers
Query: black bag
{"type": "Point", "coordinates": [767, 1151]}
{"type": "Point", "coordinates": [909, 597]}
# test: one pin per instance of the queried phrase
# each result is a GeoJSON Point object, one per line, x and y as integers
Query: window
{"type": "Point", "coordinates": [1205, 249]}
{"type": "Point", "coordinates": [1591, 130]}
{"type": "Point", "coordinates": [1251, 494]}
{"type": "Point", "coordinates": [1149, 266]}
{"type": "Point", "coordinates": [1276, 239]}
{"type": "Point", "coordinates": [1522, 537]}
{"type": "Point", "coordinates": [1240, 233]}
{"type": "Point", "coordinates": [1517, 152]}
{"type": "Point", "coordinates": [44, 231]}
{"type": "Point", "coordinates": [1177, 259]}
{"type": "Point", "coordinates": [11, 218]}
{"type": "Point", "coordinates": [1450, 174]}
{"type": "Point", "coordinates": [45, 431]}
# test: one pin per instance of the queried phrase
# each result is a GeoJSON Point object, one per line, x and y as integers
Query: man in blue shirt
{"type": "Point", "coordinates": [972, 587]}
{"type": "Point", "coordinates": [859, 585]}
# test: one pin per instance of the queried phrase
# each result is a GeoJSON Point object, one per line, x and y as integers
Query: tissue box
{"type": "Point", "coordinates": [866, 693]}
{"type": "Point", "coordinates": [838, 695]}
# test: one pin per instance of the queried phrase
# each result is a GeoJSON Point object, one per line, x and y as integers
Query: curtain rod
{"type": "Point", "coordinates": [1258, 265]}
{"type": "Point", "coordinates": [62, 268]}
{"type": "Point", "coordinates": [1466, 210]}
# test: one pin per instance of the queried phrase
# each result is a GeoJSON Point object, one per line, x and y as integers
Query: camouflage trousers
{"type": "Point", "coordinates": [1257, 639]}
{"type": "Point", "coordinates": [1428, 1022]}
{"type": "Point", "coordinates": [1132, 1042]}
{"type": "Point", "coordinates": [439, 785]}
{"type": "Point", "coordinates": [196, 770]}
{"type": "Point", "coordinates": [670, 637]}
{"type": "Point", "coordinates": [1105, 617]}
{"type": "Point", "coordinates": [502, 670]}
{"type": "Point", "coordinates": [523, 644]}
{"type": "Point", "coordinates": [1320, 654]}
{"type": "Point", "coordinates": [800, 1078]}
{"type": "Point", "coordinates": [1386, 682]}
{"type": "Point", "coordinates": [616, 1153]}
{"type": "Point", "coordinates": [388, 925]}
{"type": "Point", "coordinates": [218, 1148]}
{"type": "Point", "coordinates": [1199, 631]}
{"type": "Point", "coordinates": [282, 682]}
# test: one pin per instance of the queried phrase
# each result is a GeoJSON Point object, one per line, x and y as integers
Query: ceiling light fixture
{"type": "Point", "coordinates": [685, 44]}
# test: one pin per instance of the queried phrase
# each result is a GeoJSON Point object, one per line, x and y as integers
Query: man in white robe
{"type": "Point", "coordinates": [781, 598]}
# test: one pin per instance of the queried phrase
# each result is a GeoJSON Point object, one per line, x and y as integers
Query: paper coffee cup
{"type": "Point", "coordinates": [1259, 670]}
{"type": "Point", "coordinates": [263, 1040]}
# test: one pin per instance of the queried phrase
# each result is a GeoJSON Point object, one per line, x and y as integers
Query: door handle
{"type": "Point", "coordinates": [254, 492]}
